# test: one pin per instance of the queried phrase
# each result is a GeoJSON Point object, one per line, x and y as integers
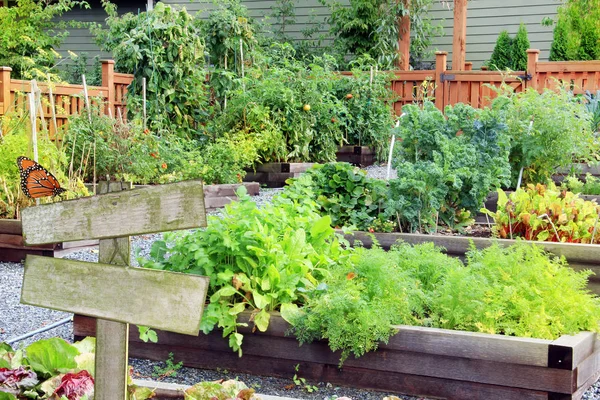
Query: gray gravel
{"type": "Point", "coordinates": [17, 319]}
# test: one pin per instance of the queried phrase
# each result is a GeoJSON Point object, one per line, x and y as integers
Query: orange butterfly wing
{"type": "Point", "coordinates": [36, 181]}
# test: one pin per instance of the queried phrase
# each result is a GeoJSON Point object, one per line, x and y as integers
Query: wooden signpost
{"type": "Point", "coordinates": [111, 290]}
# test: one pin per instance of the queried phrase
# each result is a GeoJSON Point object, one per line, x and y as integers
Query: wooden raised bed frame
{"type": "Point", "coordinates": [579, 256]}
{"type": "Point", "coordinates": [418, 361]}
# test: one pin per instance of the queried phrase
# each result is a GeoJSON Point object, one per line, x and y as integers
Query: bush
{"type": "Point", "coordinates": [547, 131]}
{"type": "Point", "coordinates": [519, 50]}
{"type": "Point", "coordinates": [501, 56]}
{"type": "Point", "coordinates": [165, 47]}
{"type": "Point", "coordinates": [287, 108]}
{"type": "Point", "coordinates": [446, 165]}
{"type": "Point", "coordinates": [544, 213]}
{"type": "Point", "coordinates": [510, 53]}
{"type": "Point", "coordinates": [125, 151]}
{"type": "Point", "coordinates": [342, 192]}
{"type": "Point", "coordinates": [577, 32]}
{"type": "Point", "coordinates": [29, 33]}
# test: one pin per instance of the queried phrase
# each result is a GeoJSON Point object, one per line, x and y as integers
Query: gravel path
{"type": "Point", "coordinates": [17, 319]}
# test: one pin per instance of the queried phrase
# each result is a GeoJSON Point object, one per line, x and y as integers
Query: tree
{"type": "Point", "coordinates": [519, 50]}
{"type": "Point", "coordinates": [501, 56]}
{"type": "Point", "coordinates": [29, 33]}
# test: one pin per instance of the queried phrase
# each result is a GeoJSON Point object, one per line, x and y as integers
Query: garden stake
{"type": "Point", "coordinates": [552, 223]}
{"type": "Point", "coordinates": [37, 93]}
{"type": "Point", "coordinates": [53, 110]}
{"type": "Point", "coordinates": [510, 226]}
{"type": "Point", "coordinates": [242, 64]}
{"type": "Point", "coordinates": [487, 219]}
{"type": "Point", "coordinates": [87, 99]}
{"type": "Point", "coordinates": [33, 119]}
{"type": "Point", "coordinates": [144, 101]}
{"type": "Point", "coordinates": [94, 182]}
{"type": "Point", "coordinates": [399, 224]}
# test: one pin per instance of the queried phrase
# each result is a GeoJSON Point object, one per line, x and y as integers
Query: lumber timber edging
{"type": "Point", "coordinates": [417, 360]}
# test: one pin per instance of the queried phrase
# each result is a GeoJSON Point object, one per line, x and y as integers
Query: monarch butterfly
{"type": "Point", "coordinates": [36, 181]}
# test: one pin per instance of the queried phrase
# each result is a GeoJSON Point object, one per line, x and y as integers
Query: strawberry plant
{"type": "Point", "coordinates": [544, 213]}
{"type": "Point", "coordinates": [342, 192]}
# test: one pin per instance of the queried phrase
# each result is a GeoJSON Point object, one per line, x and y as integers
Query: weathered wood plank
{"type": "Point", "coordinates": [11, 226]}
{"type": "Point", "coordinates": [158, 299]}
{"type": "Point", "coordinates": [155, 209]}
{"type": "Point", "coordinates": [578, 253]}
{"type": "Point", "coordinates": [445, 342]}
{"type": "Point", "coordinates": [588, 368]}
{"type": "Point", "coordinates": [112, 349]}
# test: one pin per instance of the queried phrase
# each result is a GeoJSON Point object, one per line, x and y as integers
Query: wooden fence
{"type": "Point", "coordinates": [448, 87]}
{"type": "Point", "coordinates": [67, 99]}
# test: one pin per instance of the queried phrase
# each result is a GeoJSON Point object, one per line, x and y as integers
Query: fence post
{"type": "Point", "coordinates": [459, 41]}
{"type": "Point", "coordinates": [468, 66]}
{"type": "Point", "coordinates": [4, 89]}
{"type": "Point", "coordinates": [108, 81]}
{"type": "Point", "coordinates": [441, 57]}
{"type": "Point", "coordinates": [532, 59]}
{"type": "Point", "coordinates": [404, 40]}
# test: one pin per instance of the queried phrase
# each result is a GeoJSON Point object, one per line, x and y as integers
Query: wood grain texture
{"type": "Point", "coordinates": [158, 299]}
{"type": "Point", "coordinates": [398, 371]}
{"type": "Point", "coordinates": [573, 252]}
{"type": "Point", "coordinates": [155, 209]}
{"type": "Point", "coordinates": [112, 349]}
{"type": "Point", "coordinates": [112, 345]}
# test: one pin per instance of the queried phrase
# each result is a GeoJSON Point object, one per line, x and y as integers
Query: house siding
{"type": "Point", "coordinates": [485, 20]}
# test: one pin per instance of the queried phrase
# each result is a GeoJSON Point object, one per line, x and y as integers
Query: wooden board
{"type": "Point", "coordinates": [162, 300]}
{"type": "Point", "coordinates": [573, 252]}
{"type": "Point", "coordinates": [155, 209]}
{"type": "Point", "coordinates": [410, 367]}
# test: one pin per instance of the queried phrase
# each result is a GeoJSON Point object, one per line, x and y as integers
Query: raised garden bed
{"type": "Point", "coordinates": [362, 156]}
{"type": "Point", "coordinates": [275, 174]}
{"type": "Point", "coordinates": [12, 248]}
{"type": "Point", "coordinates": [418, 361]}
{"type": "Point", "coordinates": [579, 256]}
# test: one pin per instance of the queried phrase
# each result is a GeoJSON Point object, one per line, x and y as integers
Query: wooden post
{"type": "Point", "coordinates": [459, 43]}
{"type": "Point", "coordinates": [4, 89]}
{"type": "Point", "coordinates": [112, 338]}
{"type": "Point", "coordinates": [108, 81]}
{"type": "Point", "coordinates": [532, 59]}
{"type": "Point", "coordinates": [404, 40]}
{"type": "Point", "coordinates": [469, 66]}
{"type": "Point", "coordinates": [441, 58]}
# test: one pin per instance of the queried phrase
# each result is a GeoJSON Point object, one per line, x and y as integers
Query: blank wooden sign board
{"type": "Point", "coordinates": [110, 290]}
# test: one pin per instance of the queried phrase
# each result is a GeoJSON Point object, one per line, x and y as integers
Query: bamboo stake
{"type": "Point", "coordinates": [94, 182]}
{"type": "Point", "coordinates": [144, 100]}
{"type": "Point", "coordinates": [52, 108]}
{"type": "Point", "coordinates": [38, 103]}
{"type": "Point", "coordinates": [242, 64]}
{"type": "Point", "coordinates": [87, 99]}
{"type": "Point", "coordinates": [33, 118]}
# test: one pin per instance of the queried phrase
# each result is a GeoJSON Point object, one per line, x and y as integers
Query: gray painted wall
{"type": "Point", "coordinates": [485, 20]}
